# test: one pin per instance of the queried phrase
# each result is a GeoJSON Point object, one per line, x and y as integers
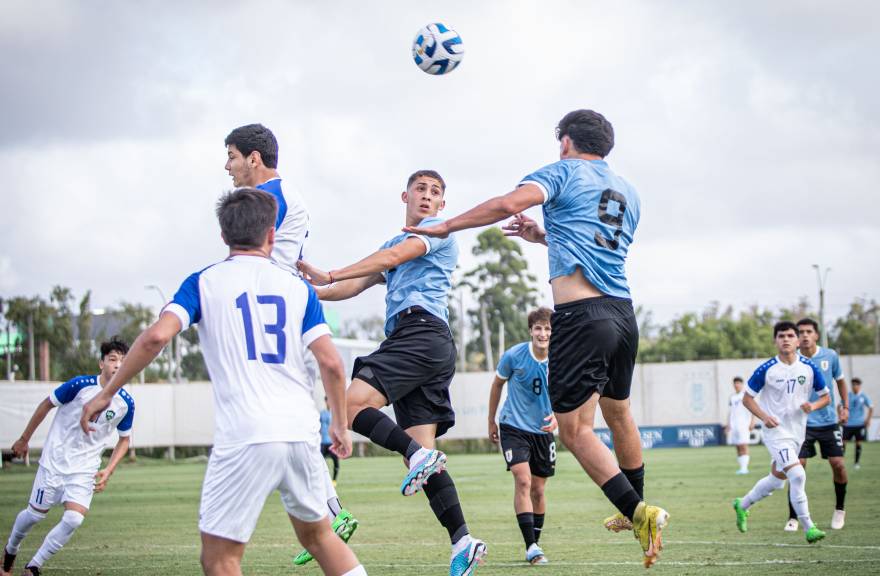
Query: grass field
{"type": "Point", "coordinates": [146, 522]}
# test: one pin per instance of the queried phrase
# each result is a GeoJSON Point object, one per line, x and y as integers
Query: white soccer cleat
{"type": "Point", "coordinates": [858, 466]}
{"type": "Point", "coordinates": [837, 520]}
{"type": "Point", "coordinates": [791, 525]}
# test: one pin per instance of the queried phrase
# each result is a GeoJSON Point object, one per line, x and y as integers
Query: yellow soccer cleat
{"type": "Point", "coordinates": [648, 523]}
{"type": "Point", "coordinates": [618, 523]}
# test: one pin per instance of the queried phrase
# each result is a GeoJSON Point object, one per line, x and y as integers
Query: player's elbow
{"type": "Point", "coordinates": [509, 206]}
{"type": "Point", "coordinates": [153, 340]}
{"type": "Point", "coordinates": [332, 369]}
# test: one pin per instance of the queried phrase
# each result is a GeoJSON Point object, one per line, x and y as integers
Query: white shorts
{"type": "Point", "coordinates": [738, 436]}
{"type": "Point", "coordinates": [783, 451]}
{"type": "Point", "coordinates": [239, 479]}
{"type": "Point", "coordinates": [51, 489]}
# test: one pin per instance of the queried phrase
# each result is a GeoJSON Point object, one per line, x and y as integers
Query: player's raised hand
{"type": "Point", "coordinates": [101, 479]}
{"type": "Point", "coordinates": [91, 409]}
{"type": "Point", "coordinates": [551, 423]}
{"type": "Point", "coordinates": [493, 432]}
{"type": "Point", "coordinates": [524, 227]}
{"type": "Point", "coordinates": [771, 422]}
{"type": "Point", "coordinates": [341, 440]}
{"type": "Point", "coordinates": [20, 447]}
{"type": "Point", "coordinates": [440, 230]}
{"type": "Point", "coordinates": [314, 275]}
{"type": "Point", "coordinates": [807, 407]}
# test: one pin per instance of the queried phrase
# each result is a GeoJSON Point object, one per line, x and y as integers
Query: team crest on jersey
{"type": "Point", "coordinates": [109, 415]}
{"type": "Point", "coordinates": [824, 364]}
{"type": "Point", "coordinates": [802, 380]}
{"type": "Point", "coordinates": [508, 455]}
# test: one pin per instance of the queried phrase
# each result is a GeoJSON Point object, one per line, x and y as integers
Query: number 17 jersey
{"type": "Point", "coordinates": [528, 401]}
{"type": "Point", "coordinates": [254, 320]}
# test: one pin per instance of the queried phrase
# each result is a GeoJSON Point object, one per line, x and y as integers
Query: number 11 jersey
{"type": "Point", "coordinates": [254, 320]}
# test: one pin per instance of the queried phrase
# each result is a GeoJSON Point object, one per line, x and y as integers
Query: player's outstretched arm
{"type": "Point", "coordinates": [119, 452]}
{"type": "Point", "coordinates": [489, 212]}
{"type": "Point", "coordinates": [20, 446]}
{"type": "Point", "coordinates": [494, 399]}
{"type": "Point", "coordinates": [333, 377]}
{"type": "Point", "coordinates": [843, 409]}
{"type": "Point", "coordinates": [526, 228]}
{"type": "Point", "coordinates": [752, 406]}
{"type": "Point", "coordinates": [144, 350]}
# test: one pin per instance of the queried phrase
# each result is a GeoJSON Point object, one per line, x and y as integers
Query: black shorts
{"type": "Point", "coordinates": [413, 369]}
{"type": "Point", "coordinates": [855, 433]}
{"type": "Point", "coordinates": [830, 442]}
{"type": "Point", "coordinates": [539, 450]}
{"type": "Point", "coordinates": [593, 349]}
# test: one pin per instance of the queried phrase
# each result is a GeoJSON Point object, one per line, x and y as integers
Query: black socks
{"type": "Point", "coordinates": [443, 498]}
{"type": "Point", "coordinates": [382, 430]}
{"type": "Point", "coordinates": [621, 493]}
{"type": "Point", "coordinates": [840, 494]}
{"type": "Point", "coordinates": [526, 522]}
{"type": "Point", "coordinates": [539, 526]}
{"type": "Point", "coordinates": [636, 477]}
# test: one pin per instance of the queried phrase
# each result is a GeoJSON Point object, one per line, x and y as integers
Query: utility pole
{"type": "Point", "coordinates": [487, 338]}
{"type": "Point", "coordinates": [822, 277]}
{"type": "Point", "coordinates": [31, 360]}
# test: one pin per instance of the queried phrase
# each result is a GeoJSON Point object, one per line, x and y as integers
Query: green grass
{"type": "Point", "coordinates": [146, 522]}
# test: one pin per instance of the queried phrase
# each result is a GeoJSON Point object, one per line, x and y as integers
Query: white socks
{"type": "Point", "coordinates": [57, 537]}
{"type": "Point", "coordinates": [418, 456]}
{"type": "Point", "coordinates": [461, 544]}
{"type": "Point", "coordinates": [797, 482]}
{"type": "Point", "coordinates": [358, 570]}
{"type": "Point", "coordinates": [762, 488]}
{"type": "Point", "coordinates": [743, 462]}
{"type": "Point", "coordinates": [25, 520]}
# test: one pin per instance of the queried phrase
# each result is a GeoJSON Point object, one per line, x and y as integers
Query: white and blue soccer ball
{"type": "Point", "coordinates": [437, 49]}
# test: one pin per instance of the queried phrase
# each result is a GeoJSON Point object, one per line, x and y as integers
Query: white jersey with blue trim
{"type": "Point", "coordinates": [528, 400]}
{"type": "Point", "coordinates": [739, 417]}
{"type": "Point", "coordinates": [781, 390]}
{"type": "Point", "coordinates": [291, 225]}
{"type": "Point", "coordinates": [254, 319]}
{"type": "Point", "coordinates": [590, 215]}
{"type": "Point", "coordinates": [68, 450]}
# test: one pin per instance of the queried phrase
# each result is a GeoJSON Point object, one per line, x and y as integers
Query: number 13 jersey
{"type": "Point", "coordinates": [254, 320]}
{"type": "Point", "coordinates": [590, 215]}
{"type": "Point", "coordinates": [783, 389]}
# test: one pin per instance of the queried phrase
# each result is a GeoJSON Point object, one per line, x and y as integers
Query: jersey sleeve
{"type": "Point", "coordinates": [431, 244]}
{"type": "Point", "coordinates": [868, 401]}
{"type": "Point", "coordinates": [68, 391]}
{"type": "Point", "coordinates": [819, 384]}
{"type": "Point", "coordinates": [505, 367]}
{"type": "Point", "coordinates": [124, 426]}
{"type": "Point", "coordinates": [186, 304]}
{"type": "Point", "coordinates": [313, 324]}
{"type": "Point", "coordinates": [756, 382]}
{"type": "Point", "coordinates": [550, 179]}
{"type": "Point", "coordinates": [836, 370]}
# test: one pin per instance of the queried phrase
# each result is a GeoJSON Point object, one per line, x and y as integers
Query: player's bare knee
{"type": "Point", "coordinates": [536, 492]}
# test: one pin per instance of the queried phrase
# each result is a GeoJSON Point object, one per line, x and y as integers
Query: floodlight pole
{"type": "Point", "coordinates": [822, 277]}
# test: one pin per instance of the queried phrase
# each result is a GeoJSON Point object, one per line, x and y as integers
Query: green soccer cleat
{"type": "Point", "coordinates": [344, 526]}
{"type": "Point", "coordinates": [814, 535]}
{"type": "Point", "coordinates": [742, 515]}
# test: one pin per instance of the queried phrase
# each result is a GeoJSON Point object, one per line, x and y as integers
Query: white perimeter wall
{"type": "Point", "coordinates": [667, 394]}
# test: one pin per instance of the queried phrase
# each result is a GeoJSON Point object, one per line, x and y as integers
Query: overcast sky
{"type": "Point", "coordinates": [750, 129]}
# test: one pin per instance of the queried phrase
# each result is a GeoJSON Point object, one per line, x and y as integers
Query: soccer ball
{"type": "Point", "coordinates": [437, 49]}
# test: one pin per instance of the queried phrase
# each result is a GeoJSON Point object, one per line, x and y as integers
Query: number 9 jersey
{"type": "Point", "coordinates": [254, 319]}
{"type": "Point", "coordinates": [584, 199]}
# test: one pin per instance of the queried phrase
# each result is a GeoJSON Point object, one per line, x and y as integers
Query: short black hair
{"type": "Point", "coordinates": [737, 379]}
{"type": "Point", "coordinates": [590, 132]}
{"type": "Point", "coordinates": [856, 381]}
{"type": "Point", "coordinates": [255, 137]}
{"type": "Point", "coordinates": [115, 344]}
{"type": "Point", "coordinates": [782, 326]}
{"type": "Point", "coordinates": [809, 322]}
{"type": "Point", "coordinates": [539, 315]}
{"type": "Point", "coordinates": [430, 174]}
{"type": "Point", "coordinates": [246, 215]}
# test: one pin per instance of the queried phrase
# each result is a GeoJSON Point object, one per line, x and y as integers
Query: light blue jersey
{"type": "Point", "coordinates": [528, 401]}
{"type": "Point", "coordinates": [858, 409]}
{"type": "Point", "coordinates": [424, 281]}
{"type": "Point", "coordinates": [590, 215]}
{"type": "Point", "coordinates": [827, 361]}
{"type": "Point", "coordinates": [326, 418]}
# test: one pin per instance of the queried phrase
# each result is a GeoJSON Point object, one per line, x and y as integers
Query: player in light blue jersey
{"type": "Point", "coordinates": [69, 464]}
{"type": "Point", "coordinates": [255, 319]}
{"type": "Point", "coordinates": [252, 160]}
{"type": "Point", "coordinates": [823, 426]}
{"type": "Point", "coordinates": [414, 366]}
{"type": "Point", "coordinates": [327, 442]}
{"type": "Point", "coordinates": [861, 411]}
{"type": "Point", "coordinates": [527, 425]}
{"type": "Point", "coordinates": [590, 217]}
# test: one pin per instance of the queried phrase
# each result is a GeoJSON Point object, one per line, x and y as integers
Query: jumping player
{"type": "Point", "coordinates": [255, 318]}
{"type": "Point", "coordinates": [252, 160]}
{"type": "Point", "coordinates": [414, 366]}
{"type": "Point", "coordinates": [785, 384]}
{"type": "Point", "coordinates": [822, 425]}
{"type": "Point", "coordinates": [590, 215]}
{"type": "Point", "coordinates": [857, 426]}
{"type": "Point", "coordinates": [69, 465]}
{"type": "Point", "coordinates": [527, 425]}
{"type": "Point", "coordinates": [739, 423]}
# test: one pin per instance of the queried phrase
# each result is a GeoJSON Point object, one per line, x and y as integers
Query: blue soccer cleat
{"type": "Point", "coordinates": [433, 463]}
{"type": "Point", "coordinates": [466, 561]}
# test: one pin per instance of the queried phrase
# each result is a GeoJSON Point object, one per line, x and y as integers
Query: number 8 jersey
{"type": "Point", "coordinates": [783, 389]}
{"type": "Point", "coordinates": [528, 401]}
{"type": "Point", "coordinates": [584, 199]}
{"type": "Point", "coordinates": [254, 319]}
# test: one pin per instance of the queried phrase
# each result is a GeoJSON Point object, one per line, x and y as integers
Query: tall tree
{"type": "Point", "coordinates": [858, 331]}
